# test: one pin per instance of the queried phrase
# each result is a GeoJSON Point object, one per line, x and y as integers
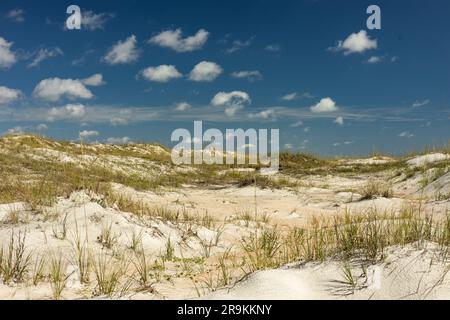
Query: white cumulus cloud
{"type": "Point", "coordinates": [232, 101]}
{"type": "Point", "coordinates": [356, 43]}
{"type": "Point", "coordinates": [88, 133]}
{"type": "Point", "coordinates": [173, 39]}
{"type": "Point", "coordinates": [42, 127]}
{"type": "Point", "coordinates": [162, 73]}
{"type": "Point", "coordinates": [8, 95]}
{"type": "Point", "coordinates": [68, 112]}
{"type": "Point", "coordinates": [325, 105]}
{"type": "Point", "coordinates": [339, 121]}
{"type": "Point", "coordinates": [123, 52]}
{"type": "Point", "coordinates": [205, 71]}
{"type": "Point", "coordinates": [94, 80]}
{"type": "Point", "coordinates": [7, 57]}
{"type": "Point", "coordinates": [54, 89]}
{"type": "Point", "coordinates": [16, 131]}
{"type": "Point", "coordinates": [183, 106]}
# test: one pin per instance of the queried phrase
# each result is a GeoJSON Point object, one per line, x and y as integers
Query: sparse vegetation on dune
{"type": "Point", "coordinates": [373, 189]}
{"type": "Point", "coordinates": [347, 236]}
{"type": "Point", "coordinates": [132, 242]}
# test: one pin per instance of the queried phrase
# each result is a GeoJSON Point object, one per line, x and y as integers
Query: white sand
{"type": "Point", "coordinates": [428, 158]}
{"type": "Point", "coordinates": [407, 273]}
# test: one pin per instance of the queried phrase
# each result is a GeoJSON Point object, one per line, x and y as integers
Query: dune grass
{"type": "Point", "coordinates": [365, 236]}
{"type": "Point", "coordinates": [15, 260]}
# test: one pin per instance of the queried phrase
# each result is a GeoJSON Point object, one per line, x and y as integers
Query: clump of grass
{"type": "Point", "coordinates": [373, 189]}
{"type": "Point", "coordinates": [247, 216]}
{"type": "Point", "coordinates": [261, 250]}
{"type": "Point", "coordinates": [13, 217]}
{"type": "Point", "coordinates": [207, 246]}
{"type": "Point", "coordinates": [435, 174]}
{"type": "Point", "coordinates": [207, 221]}
{"type": "Point", "coordinates": [108, 275]}
{"type": "Point", "coordinates": [225, 270]}
{"type": "Point", "coordinates": [81, 257]}
{"type": "Point", "coordinates": [442, 196]}
{"type": "Point", "coordinates": [58, 276]}
{"type": "Point", "coordinates": [14, 260]}
{"type": "Point", "coordinates": [143, 268]}
{"type": "Point", "coordinates": [263, 182]}
{"type": "Point", "coordinates": [107, 237]}
{"type": "Point", "coordinates": [143, 210]}
{"type": "Point", "coordinates": [60, 231]}
{"type": "Point", "coordinates": [169, 251]}
{"type": "Point", "coordinates": [136, 241]}
{"type": "Point", "coordinates": [164, 213]}
{"type": "Point", "coordinates": [348, 277]}
{"type": "Point", "coordinates": [38, 272]}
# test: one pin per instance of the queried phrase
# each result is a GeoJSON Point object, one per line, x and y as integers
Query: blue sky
{"type": "Point", "coordinates": [137, 70]}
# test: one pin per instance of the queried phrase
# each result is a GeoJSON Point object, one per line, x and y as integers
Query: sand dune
{"type": "Point", "coordinates": [158, 231]}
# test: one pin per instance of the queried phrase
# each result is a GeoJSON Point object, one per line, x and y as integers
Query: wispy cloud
{"type": "Point", "coordinates": [232, 103]}
{"type": "Point", "coordinates": [295, 96]}
{"type": "Point", "coordinates": [122, 140]}
{"type": "Point", "coordinates": [268, 114]}
{"type": "Point", "coordinates": [123, 52]}
{"type": "Point", "coordinates": [95, 21]}
{"type": "Point", "coordinates": [238, 45]}
{"type": "Point", "coordinates": [406, 134]}
{"type": "Point", "coordinates": [44, 54]}
{"type": "Point", "coordinates": [182, 106]}
{"type": "Point", "coordinates": [16, 15]}
{"type": "Point", "coordinates": [375, 59]}
{"type": "Point", "coordinates": [249, 75]}
{"type": "Point", "coordinates": [273, 48]}
{"type": "Point", "coordinates": [173, 39]}
{"type": "Point", "coordinates": [296, 124]}
{"type": "Point", "coordinates": [422, 103]}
